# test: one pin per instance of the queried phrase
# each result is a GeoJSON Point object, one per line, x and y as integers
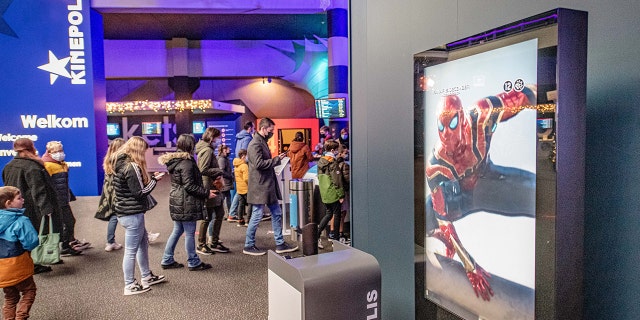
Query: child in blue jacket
{"type": "Point", "coordinates": [17, 238]}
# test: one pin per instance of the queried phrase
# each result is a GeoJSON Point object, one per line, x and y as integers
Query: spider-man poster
{"type": "Point", "coordinates": [480, 155]}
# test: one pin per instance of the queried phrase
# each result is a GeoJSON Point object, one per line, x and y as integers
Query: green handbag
{"type": "Point", "coordinates": [48, 251]}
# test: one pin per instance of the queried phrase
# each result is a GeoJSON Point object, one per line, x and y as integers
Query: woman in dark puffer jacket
{"type": "Point", "coordinates": [133, 185]}
{"type": "Point", "coordinates": [186, 202]}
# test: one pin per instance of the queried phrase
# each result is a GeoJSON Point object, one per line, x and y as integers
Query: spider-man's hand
{"type": "Point", "coordinates": [480, 283]}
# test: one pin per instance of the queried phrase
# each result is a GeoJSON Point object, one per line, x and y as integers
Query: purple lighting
{"type": "Point", "coordinates": [498, 31]}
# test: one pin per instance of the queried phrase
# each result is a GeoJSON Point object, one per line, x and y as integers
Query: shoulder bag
{"type": "Point", "coordinates": [48, 250]}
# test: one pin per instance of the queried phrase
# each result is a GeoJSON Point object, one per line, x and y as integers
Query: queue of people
{"type": "Point", "coordinates": [201, 181]}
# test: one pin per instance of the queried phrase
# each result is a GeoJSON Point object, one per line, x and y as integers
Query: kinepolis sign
{"type": "Point", "coordinates": [48, 88]}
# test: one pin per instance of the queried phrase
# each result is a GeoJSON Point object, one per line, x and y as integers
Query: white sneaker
{"type": "Point", "coordinates": [320, 246]}
{"type": "Point", "coordinates": [135, 288]}
{"type": "Point", "coordinates": [152, 279]}
{"type": "Point", "coordinates": [112, 246]}
{"type": "Point", "coordinates": [152, 236]}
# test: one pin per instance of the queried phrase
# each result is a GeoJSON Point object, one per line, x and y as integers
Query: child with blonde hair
{"type": "Point", "coordinates": [17, 238]}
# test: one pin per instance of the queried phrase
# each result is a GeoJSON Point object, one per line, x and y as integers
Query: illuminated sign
{"type": "Point", "coordinates": [51, 40]}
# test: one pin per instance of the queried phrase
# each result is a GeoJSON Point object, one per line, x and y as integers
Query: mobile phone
{"type": "Point", "coordinates": [160, 175]}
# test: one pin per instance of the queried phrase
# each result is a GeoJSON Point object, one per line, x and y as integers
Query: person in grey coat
{"type": "Point", "coordinates": [264, 189]}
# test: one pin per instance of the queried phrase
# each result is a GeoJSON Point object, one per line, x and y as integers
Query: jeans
{"type": "Point", "coordinates": [136, 247]}
{"type": "Point", "coordinates": [111, 229]}
{"type": "Point", "coordinates": [256, 217]}
{"type": "Point", "coordinates": [14, 307]}
{"type": "Point", "coordinates": [189, 229]}
{"type": "Point", "coordinates": [217, 214]}
{"type": "Point", "coordinates": [227, 199]}
{"type": "Point", "coordinates": [234, 205]}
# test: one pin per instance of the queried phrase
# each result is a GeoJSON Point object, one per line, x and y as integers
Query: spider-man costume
{"type": "Point", "coordinates": [463, 179]}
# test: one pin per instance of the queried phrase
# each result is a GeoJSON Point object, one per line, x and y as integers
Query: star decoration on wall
{"type": "Point", "coordinates": [56, 67]}
{"type": "Point", "coordinates": [4, 26]}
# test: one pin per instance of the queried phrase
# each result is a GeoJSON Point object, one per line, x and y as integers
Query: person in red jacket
{"type": "Point", "coordinates": [300, 155]}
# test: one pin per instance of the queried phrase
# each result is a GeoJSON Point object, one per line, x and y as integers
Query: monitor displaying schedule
{"type": "Point", "coordinates": [331, 108]}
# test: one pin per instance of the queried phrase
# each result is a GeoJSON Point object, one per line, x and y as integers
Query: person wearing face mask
{"type": "Point", "coordinates": [344, 139]}
{"type": "Point", "coordinates": [210, 170]}
{"type": "Point", "coordinates": [331, 179]}
{"type": "Point", "coordinates": [264, 189]}
{"type": "Point", "coordinates": [58, 169]}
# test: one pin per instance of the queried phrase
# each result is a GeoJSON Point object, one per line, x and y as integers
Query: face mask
{"type": "Point", "coordinates": [58, 156]}
{"type": "Point", "coordinates": [344, 137]}
{"type": "Point", "coordinates": [269, 135]}
{"type": "Point", "coordinates": [215, 142]}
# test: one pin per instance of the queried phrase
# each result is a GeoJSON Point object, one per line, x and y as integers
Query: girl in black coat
{"type": "Point", "coordinates": [133, 185]}
{"type": "Point", "coordinates": [186, 202]}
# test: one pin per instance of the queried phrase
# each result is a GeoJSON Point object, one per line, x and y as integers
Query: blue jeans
{"type": "Point", "coordinates": [233, 211]}
{"type": "Point", "coordinates": [189, 229]}
{"type": "Point", "coordinates": [256, 217]}
{"type": "Point", "coordinates": [111, 229]}
{"type": "Point", "coordinates": [136, 247]}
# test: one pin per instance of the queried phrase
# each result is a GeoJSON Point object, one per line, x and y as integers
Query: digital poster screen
{"type": "Point", "coordinates": [198, 127]}
{"type": "Point", "coordinates": [480, 124]}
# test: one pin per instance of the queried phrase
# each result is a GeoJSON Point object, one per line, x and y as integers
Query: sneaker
{"type": "Point", "coordinates": [152, 279]}
{"type": "Point", "coordinates": [218, 247]}
{"type": "Point", "coordinates": [173, 265]}
{"type": "Point", "coordinates": [285, 247]}
{"type": "Point", "coordinates": [266, 217]}
{"type": "Point", "coordinates": [135, 288]}
{"type": "Point", "coordinates": [67, 252]}
{"type": "Point", "coordinates": [242, 224]}
{"type": "Point", "coordinates": [201, 266]}
{"type": "Point", "coordinates": [79, 245]}
{"type": "Point", "coordinates": [204, 249]}
{"type": "Point", "coordinates": [112, 246]}
{"type": "Point", "coordinates": [152, 236]}
{"type": "Point", "coordinates": [253, 251]}
{"type": "Point", "coordinates": [233, 219]}
{"type": "Point", "coordinates": [38, 268]}
{"type": "Point", "coordinates": [320, 246]}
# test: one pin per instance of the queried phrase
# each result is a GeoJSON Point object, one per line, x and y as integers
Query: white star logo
{"type": "Point", "coordinates": [56, 67]}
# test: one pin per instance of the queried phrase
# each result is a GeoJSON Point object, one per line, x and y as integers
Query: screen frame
{"type": "Point", "coordinates": [144, 126]}
{"type": "Point", "coordinates": [566, 274]}
{"type": "Point", "coordinates": [344, 106]}
{"type": "Point", "coordinates": [117, 127]}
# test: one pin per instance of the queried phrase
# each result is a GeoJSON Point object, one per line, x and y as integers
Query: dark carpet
{"type": "Point", "coordinates": [91, 286]}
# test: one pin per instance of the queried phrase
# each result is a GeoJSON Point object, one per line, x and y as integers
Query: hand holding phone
{"type": "Point", "coordinates": [159, 175]}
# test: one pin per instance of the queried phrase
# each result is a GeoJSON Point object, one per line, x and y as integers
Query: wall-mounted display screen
{"type": "Point", "coordinates": [331, 108]}
{"type": "Point", "coordinates": [199, 127]}
{"type": "Point", "coordinates": [151, 128]}
{"type": "Point", "coordinates": [113, 129]}
{"type": "Point", "coordinates": [487, 167]}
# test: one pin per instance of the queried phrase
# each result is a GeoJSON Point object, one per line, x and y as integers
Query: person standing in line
{"type": "Point", "coordinates": [186, 202]}
{"type": "Point", "coordinates": [263, 189]}
{"type": "Point", "coordinates": [18, 237]}
{"type": "Point", "coordinates": [242, 184]}
{"type": "Point", "coordinates": [330, 180]}
{"type": "Point", "coordinates": [58, 169]}
{"type": "Point", "coordinates": [225, 165]}
{"type": "Point", "coordinates": [208, 166]}
{"type": "Point", "coordinates": [105, 206]}
{"type": "Point", "coordinates": [242, 142]}
{"type": "Point", "coordinates": [26, 172]}
{"type": "Point", "coordinates": [133, 185]}
{"type": "Point", "coordinates": [300, 155]}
